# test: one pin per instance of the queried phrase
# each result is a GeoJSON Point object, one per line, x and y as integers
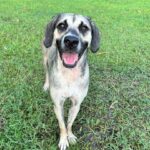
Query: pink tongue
{"type": "Point", "coordinates": [70, 58]}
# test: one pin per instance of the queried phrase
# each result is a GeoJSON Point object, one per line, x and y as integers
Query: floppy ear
{"type": "Point", "coordinates": [95, 38]}
{"type": "Point", "coordinates": [49, 33]}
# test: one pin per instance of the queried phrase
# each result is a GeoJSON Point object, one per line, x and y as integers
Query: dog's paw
{"type": "Point", "coordinates": [46, 86]}
{"type": "Point", "coordinates": [72, 138]}
{"type": "Point", "coordinates": [63, 143]}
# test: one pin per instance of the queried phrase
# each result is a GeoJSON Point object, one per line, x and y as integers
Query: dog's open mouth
{"type": "Point", "coordinates": [70, 59]}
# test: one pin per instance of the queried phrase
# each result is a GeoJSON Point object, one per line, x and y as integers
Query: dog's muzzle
{"type": "Point", "coordinates": [69, 50]}
{"type": "Point", "coordinates": [70, 55]}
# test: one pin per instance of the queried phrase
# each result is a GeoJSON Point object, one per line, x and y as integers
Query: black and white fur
{"type": "Point", "coordinates": [68, 33]}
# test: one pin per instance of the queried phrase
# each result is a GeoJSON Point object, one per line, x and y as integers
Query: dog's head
{"type": "Point", "coordinates": [73, 35]}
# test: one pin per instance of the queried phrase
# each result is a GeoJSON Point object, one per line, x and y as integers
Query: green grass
{"type": "Point", "coordinates": [116, 113]}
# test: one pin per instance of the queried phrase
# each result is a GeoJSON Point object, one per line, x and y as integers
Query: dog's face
{"type": "Point", "coordinates": [73, 35]}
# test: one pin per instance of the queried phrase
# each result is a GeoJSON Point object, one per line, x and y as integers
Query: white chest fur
{"type": "Point", "coordinates": [69, 82]}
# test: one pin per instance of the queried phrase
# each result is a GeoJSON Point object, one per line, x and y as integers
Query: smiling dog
{"type": "Point", "coordinates": [67, 40]}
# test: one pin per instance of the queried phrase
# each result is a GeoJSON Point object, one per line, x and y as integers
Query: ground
{"type": "Point", "coordinates": [116, 113]}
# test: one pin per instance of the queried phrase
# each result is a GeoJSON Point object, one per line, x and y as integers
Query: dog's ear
{"type": "Point", "coordinates": [95, 42]}
{"type": "Point", "coordinates": [49, 33]}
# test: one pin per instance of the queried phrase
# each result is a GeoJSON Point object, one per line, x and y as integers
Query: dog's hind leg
{"type": "Point", "coordinates": [72, 115]}
{"type": "Point", "coordinates": [63, 142]}
{"type": "Point", "coordinates": [46, 84]}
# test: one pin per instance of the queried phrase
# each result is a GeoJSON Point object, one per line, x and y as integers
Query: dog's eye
{"type": "Point", "coordinates": [62, 26]}
{"type": "Point", "coordinates": [83, 28]}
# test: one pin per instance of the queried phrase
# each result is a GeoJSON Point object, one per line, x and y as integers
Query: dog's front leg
{"type": "Point", "coordinates": [72, 115]}
{"type": "Point", "coordinates": [63, 143]}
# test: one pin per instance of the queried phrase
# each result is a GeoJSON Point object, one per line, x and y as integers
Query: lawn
{"type": "Point", "coordinates": [116, 113]}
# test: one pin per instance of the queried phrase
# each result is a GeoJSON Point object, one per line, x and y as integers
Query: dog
{"type": "Point", "coordinates": [65, 46]}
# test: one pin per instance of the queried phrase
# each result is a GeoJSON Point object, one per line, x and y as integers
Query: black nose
{"type": "Point", "coordinates": [71, 42]}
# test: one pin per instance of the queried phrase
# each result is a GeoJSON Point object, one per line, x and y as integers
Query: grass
{"type": "Point", "coordinates": [116, 113]}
